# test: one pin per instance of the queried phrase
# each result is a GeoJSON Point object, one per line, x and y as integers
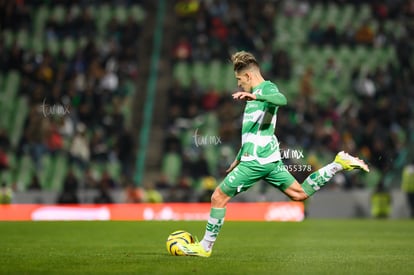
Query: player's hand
{"type": "Point", "coordinates": [244, 96]}
{"type": "Point", "coordinates": [233, 165]}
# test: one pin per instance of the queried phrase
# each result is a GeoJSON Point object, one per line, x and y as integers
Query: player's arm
{"type": "Point", "coordinates": [235, 162]}
{"type": "Point", "coordinates": [275, 98]}
{"type": "Point", "coordinates": [233, 165]}
{"type": "Point", "coordinates": [272, 96]}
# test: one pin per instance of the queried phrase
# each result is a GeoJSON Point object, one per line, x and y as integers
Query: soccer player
{"type": "Point", "coordinates": [259, 156]}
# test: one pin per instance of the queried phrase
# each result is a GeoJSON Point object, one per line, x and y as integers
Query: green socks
{"type": "Point", "coordinates": [214, 224]}
{"type": "Point", "coordinates": [319, 178]}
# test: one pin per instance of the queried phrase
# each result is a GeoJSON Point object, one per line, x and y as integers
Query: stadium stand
{"type": "Point", "coordinates": [67, 67]}
{"type": "Point", "coordinates": [68, 73]}
{"type": "Point", "coordinates": [339, 63]}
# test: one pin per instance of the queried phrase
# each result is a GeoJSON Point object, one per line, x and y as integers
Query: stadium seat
{"type": "Point", "coordinates": [53, 46]}
{"type": "Point", "coordinates": [330, 15]}
{"type": "Point", "coordinates": [40, 16]}
{"type": "Point", "coordinates": [25, 170]}
{"type": "Point", "coordinates": [344, 55]}
{"type": "Point", "coordinates": [7, 176]}
{"type": "Point", "coordinates": [297, 54]}
{"type": "Point", "coordinates": [22, 38]}
{"type": "Point", "coordinates": [37, 44]}
{"type": "Point", "coordinates": [1, 86]}
{"type": "Point", "coordinates": [8, 99]}
{"type": "Point", "coordinates": [121, 13]}
{"type": "Point", "coordinates": [76, 11]}
{"type": "Point", "coordinates": [211, 153]}
{"type": "Point", "coordinates": [69, 46]}
{"type": "Point", "coordinates": [324, 91]}
{"type": "Point", "coordinates": [364, 13]}
{"type": "Point", "coordinates": [315, 14]}
{"type": "Point", "coordinates": [3, 110]}
{"type": "Point", "coordinates": [211, 120]}
{"type": "Point", "coordinates": [295, 30]}
{"type": "Point", "coordinates": [137, 12]}
{"type": "Point", "coordinates": [230, 83]}
{"type": "Point", "coordinates": [114, 169]}
{"type": "Point", "coordinates": [280, 22]}
{"type": "Point", "coordinates": [360, 54]}
{"type": "Point", "coordinates": [171, 166]}
{"type": "Point", "coordinates": [11, 86]}
{"type": "Point", "coordinates": [8, 37]}
{"type": "Point", "coordinates": [58, 12]}
{"type": "Point", "coordinates": [5, 115]}
{"type": "Point", "coordinates": [45, 173]}
{"type": "Point", "coordinates": [60, 167]}
{"type": "Point", "coordinates": [199, 72]}
{"type": "Point", "coordinates": [103, 15]}
{"type": "Point", "coordinates": [214, 75]}
{"type": "Point", "coordinates": [97, 168]}
{"type": "Point", "coordinates": [92, 10]}
{"type": "Point", "coordinates": [181, 72]}
{"type": "Point", "coordinates": [327, 52]}
{"type": "Point", "coordinates": [390, 55]}
{"type": "Point", "coordinates": [130, 87]}
{"type": "Point", "coordinates": [187, 138]}
{"type": "Point", "coordinates": [76, 170]}
{"type": "Point", "coordinates": [311, 55]}
{"type": "Point", "coordinates": [18, 122]}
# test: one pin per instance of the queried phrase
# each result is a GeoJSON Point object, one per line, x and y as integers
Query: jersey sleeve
{"type": "Point", "coordinates": [271, 94]}
{"type": "Point", "coordinates": [239, 154]}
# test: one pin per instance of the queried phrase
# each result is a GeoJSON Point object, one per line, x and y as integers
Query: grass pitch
{"type": "Point", "coordinates": [310, 247]}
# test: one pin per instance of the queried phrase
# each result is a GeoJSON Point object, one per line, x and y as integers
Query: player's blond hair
{"type": "Point", "coordinates": [243, 60]}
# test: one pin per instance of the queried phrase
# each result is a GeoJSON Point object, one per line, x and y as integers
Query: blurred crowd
{"type": "Point", "coordinates": [375, 123]}
{"type": "Point", "coordinates": [76, 101]}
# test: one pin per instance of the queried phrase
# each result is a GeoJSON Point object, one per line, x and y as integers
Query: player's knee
{"type": "Point", "coordinates": [299, 196]}
{"type": "Point", "coordinates": [216, 197]}
{"type": "Point", "coordinates": [219, 199]}
{"type": "Point", "coordinates": [296, 193]}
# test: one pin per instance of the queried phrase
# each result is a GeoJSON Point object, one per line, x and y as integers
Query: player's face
{"type": "Point", "coordinates": [243, 81]}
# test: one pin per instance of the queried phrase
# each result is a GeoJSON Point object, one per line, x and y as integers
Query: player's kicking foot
{"type": "Point", "coordinates": [194, 249]}
{"type": "Point", "coordinates": [349, 162]}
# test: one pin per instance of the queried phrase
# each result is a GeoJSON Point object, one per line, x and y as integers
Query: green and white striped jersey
{"type": "Point", "coordinates": [259, 122]}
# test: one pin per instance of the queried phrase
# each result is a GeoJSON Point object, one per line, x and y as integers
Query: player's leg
{"type": "Point", "coordinates": [215, 221]}
{"type": "Point", "coordinates": [296, 192]}
{"type": "Point", "coordinates": [343, 161]}
{"type": "Point", "coordinates": [219, 200]}
{"type": "Point", "coordinates": [300, 192]}
{"type": "Point", "coordinates": [241, 178]}
{"type": "Point", "coordinates": [282, 179]}
{"type": "Point", "coordinates": [244, 176]}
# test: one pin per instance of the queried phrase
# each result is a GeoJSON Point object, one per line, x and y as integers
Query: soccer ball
{"type": "Point", "coordinates": [178, 237]}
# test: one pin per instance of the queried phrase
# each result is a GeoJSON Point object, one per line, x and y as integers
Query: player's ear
{"type": "Point", "coordinates": [247, 76]}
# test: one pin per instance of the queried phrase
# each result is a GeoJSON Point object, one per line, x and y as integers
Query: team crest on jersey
{"type": "Point", "coordinates": [252, 104]}
{"type": "Point", "coordinates": [258, 92]}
